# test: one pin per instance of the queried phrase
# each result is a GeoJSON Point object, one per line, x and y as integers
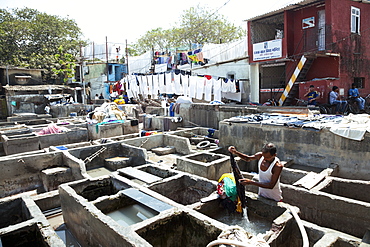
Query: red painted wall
{"type": "Point", "coordinates": [324, 87]}
{"type": "Point", "coordinates": [354, 48]}
{"type": "Point", "coordinates": [300, 34]}
{"type": "Point", "coordinates": [323, 67]}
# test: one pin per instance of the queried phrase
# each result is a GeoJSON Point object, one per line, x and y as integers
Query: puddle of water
{"type": "Point", "coordinates": [132, 214]}
{"type": "Point", "coordinates": [250, 222]}
{"type": "Point", "coordinates": [98, 172]}
{"type": "Point", "coordinates": [68, 239]}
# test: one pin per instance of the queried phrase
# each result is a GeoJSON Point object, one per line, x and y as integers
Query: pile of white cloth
{"type": "Point", "coordinates": [352, 126]}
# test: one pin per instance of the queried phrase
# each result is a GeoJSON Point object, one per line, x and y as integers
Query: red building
{"type": "Point", "coordinates": [313, 42]}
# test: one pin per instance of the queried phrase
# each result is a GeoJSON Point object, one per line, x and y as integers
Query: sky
{"type": "Point", "coordinates": [121, 20]}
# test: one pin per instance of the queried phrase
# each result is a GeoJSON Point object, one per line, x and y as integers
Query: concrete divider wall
{"type": "Point", "coordinates": [47, 200]}
{"type": "Point", "coordinates": [104, 130]}
{"type": "Point", "coordinates": [198, 131]}
{"type": "Point", "coordinates": [26, 231]}
{"type": "Point", "coordinates": [74, 135]}
{"type": "Point", "coordinates": [58, 111]}
{"type": "Point", "coordinates": [130, 127]}
{"type": "Point", "coordinates": [208, 115]}
{"type": "Point", "coordinates": [12, 130]}
{"type": "Point", "coordinates": [339, 213]}
{"type": "Point", "coordinates": [305, 147]}
{"type": "Point", "coordinates": [89, 225]}
{"type": "Point", "coordinates": [138, 155]}
{"type": "Point", "coordinates": [23, 174]}
{"type": "Point", "coordinates": [20, 143]}
{"type": "Point", "coordinates": [147, 142]}
{"type": "Point", "coordinates": [155, 110]}
{"type": "Point", "coordinates": [181, 144]}
{"type": "Point", "coordinates": [31, 142]}
{"type": "Point", "coordinates": [77, 166]}
{"type": "Point", "coordinates": [113, 149]}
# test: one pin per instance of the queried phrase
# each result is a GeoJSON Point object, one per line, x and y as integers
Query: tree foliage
{"type": "Point", "coordinates": [197, 25]}
{"type": "Point", "coordinates": [33, 39]}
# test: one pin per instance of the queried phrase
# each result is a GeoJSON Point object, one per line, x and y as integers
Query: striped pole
{"type": "Point", "coordinates": [292, 80]}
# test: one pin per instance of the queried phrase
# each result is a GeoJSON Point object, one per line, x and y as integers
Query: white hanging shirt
{"type": "Point", "coordinates": [208, 89]}
{"type": "Point", "coordinates": [217, 90]}
{"type": "Point", "coordinates": [200, 87]}
{"type": "Point", "coordinates": [192, 86]}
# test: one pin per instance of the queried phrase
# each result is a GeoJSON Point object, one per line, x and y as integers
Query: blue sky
{"type": "Point", "coordinates": [119, 20]}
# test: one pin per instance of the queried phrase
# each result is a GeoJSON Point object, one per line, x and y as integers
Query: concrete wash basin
{"type": "Point", "coordinates": [263, 216]}
{"type": "Point", "coordinates": [131, 207]}
{"type": "Point", "coordinates": [179, 230]}
{"type": "Point", "coordinates": [13, 212]}
{"type": "Point", "coordinates": [146, 174]}
{"type": "Point", "coordinates": [204, 164]}
{"type": "Point", "coordinates": [93, 189]}
{"type": "Point", "coordinates": [185, 189]}
{"type": "Point", "coordinates": [347, 188]}
{"type": "Point", "coordinates": [29, 235]}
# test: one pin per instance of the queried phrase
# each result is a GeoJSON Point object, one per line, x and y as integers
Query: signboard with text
{"type": "Point", "coordinates": [267, 50]}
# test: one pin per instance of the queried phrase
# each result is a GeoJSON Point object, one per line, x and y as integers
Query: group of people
{"type": "Point", "coordinates": [336, 99]}
{"type": "Point", "coordinates": [99, 96]}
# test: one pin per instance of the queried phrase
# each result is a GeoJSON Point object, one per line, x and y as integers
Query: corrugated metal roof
{"type": "Point", "coordinates": [36, 87]}
{"type": "Point", "coordinates": [288, 7]}
{"type": "Point", "coordinates": [19, 68]}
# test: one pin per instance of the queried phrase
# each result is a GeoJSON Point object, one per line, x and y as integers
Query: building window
{"type": "Point", "coordinates": [231, 75]}
{"type": "Point", "coordinates": [360, 82]}
{"type": "Point", "coordinates": [355, 20]}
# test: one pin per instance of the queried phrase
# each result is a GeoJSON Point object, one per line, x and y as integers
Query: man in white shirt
{"type": "Point", "coordinates": [269, 171]}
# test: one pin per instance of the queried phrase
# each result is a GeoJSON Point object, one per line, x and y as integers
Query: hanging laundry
{"type": "Point", "coordinates": [237, 86]}
{"type": "Point", "coordinates": [200, 87]}
{"type": "Point", "coordinates": [177, 84]}
{"type": "Point", "coordinates": [129, 88]}
{"type": "Point", "coordinates": [141, 85]}
{"type": "Point", "coordinates": [162, 84]}
{"type": "Point", "coordinates": [136, 87]}
{"type": "Point", "coordinates": [232, 86]}
{"type": "Point", "coordinates": [150, 84]}
{"type": "Point", "coordinates": [208, 89]}
{"type": "Point", "coordinates": [217, 90]}
{"type": "Point", "coordinates": [224, 86]}
{"type": "Point", "coordinates": [200, 57]}
{"type": "Point", "coordinates": [185, 85]}
{"type": "Point", "coordinates": [169, 84]}
{"type": "Point", "coordinates": [155, 86]}
{"type": "Point", "coordinates": [192, 86]}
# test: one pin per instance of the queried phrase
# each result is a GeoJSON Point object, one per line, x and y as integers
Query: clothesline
{"type": "Point", "coordinates": [199, 87]}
